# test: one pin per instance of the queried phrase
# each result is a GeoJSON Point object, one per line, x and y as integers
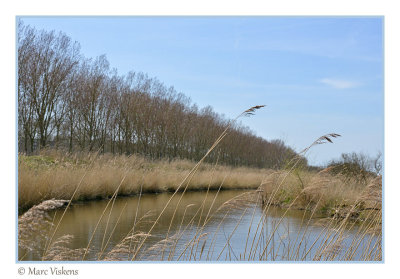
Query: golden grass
{"type": "Point", "coordinates": [332, 195]}
{"type": "Point", "coordinates": [56, 175]}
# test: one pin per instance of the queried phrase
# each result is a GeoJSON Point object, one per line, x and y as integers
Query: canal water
{"type": "Point", "coordinates": [199, 226]}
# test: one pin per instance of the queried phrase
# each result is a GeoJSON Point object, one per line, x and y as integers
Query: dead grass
{"type": "Point", "coordinates": [331, 195]}
{"type": "Point", "coordinates": [36, 221]}
{"type": "Point", "coordinates": [56, 175]}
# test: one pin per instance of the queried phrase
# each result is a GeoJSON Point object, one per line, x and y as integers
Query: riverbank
{"type": "Point", "coordinates": [56, 175]}
{"type": "Point", "coordinates": [330, 195]}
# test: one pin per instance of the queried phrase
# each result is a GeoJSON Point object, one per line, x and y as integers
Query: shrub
{"type": "Point", "coordinates": [357, 166]}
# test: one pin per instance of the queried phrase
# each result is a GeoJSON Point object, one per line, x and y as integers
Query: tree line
{"type": "Point", "coordinates": [71, 102]}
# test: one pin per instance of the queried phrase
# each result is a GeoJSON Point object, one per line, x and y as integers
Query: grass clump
{"type": "Point", "coordinates": [329, 194]}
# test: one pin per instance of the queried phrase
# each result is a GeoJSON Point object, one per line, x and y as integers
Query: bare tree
{"type": "Point", "coordinates": [45, 61]}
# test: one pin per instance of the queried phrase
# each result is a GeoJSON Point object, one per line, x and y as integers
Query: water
{"type": "Point", "coordinates": [233, 227]}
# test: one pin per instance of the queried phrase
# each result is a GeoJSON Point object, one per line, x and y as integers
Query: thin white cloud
{"type": "Point", "coordinates": [340, 83]}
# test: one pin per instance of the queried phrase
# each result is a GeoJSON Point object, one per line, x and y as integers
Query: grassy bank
{"type": "Point", "coordinates": [56, 175]}
{"type": "Point", "coordinates": [329, 194]}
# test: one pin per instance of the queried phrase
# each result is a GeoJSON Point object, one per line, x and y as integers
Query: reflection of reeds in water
{"type": "Point", "coordinates": [264, 241]}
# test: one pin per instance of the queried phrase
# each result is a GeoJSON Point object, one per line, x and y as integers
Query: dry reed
{"type": "Point", "coordinates": [55, 175]}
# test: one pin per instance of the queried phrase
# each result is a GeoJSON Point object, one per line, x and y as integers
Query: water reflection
{"type": "Point", "coordinates": [229, 225]}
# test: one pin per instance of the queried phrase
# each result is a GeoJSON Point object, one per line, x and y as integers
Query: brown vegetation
{"type": "Point", "coordinates": [338, 190]}
{"type": "Point", "coordinates": [329, 194]}
{"type": "Point", "coordinates": [56, 175]}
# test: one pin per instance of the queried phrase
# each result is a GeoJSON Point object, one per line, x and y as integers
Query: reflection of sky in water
{"type": "Point", "coordinates": [236, 231]}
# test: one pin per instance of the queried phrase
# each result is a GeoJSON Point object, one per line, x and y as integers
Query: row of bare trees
{"type": "Point", "coordinates": [68, 101]}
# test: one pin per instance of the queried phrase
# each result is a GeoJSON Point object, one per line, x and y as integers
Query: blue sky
{"type": "Point", "coordinates": [316, 75]}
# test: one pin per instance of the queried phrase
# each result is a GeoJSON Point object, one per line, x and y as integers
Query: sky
{"type": "Point", "coordinates": [316, 75]}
